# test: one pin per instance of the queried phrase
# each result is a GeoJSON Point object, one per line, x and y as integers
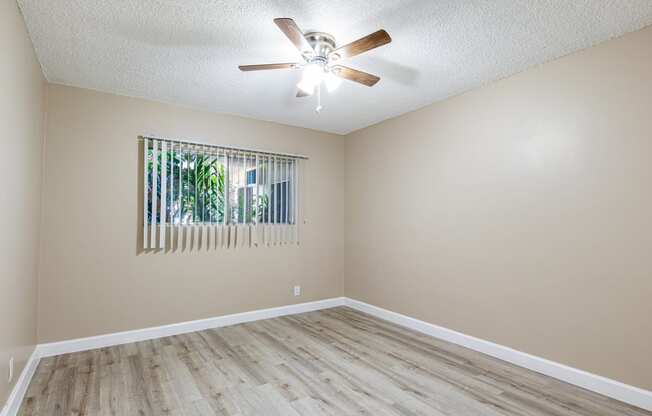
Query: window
{"type": "Point", "coordinates": [188, 184]}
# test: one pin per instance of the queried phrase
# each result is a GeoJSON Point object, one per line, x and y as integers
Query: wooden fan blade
{"type": "Point", "coordinates": [361, 45]}
{"type": "Point", "coordinates": [262, 67]}
{"type": "Point", "coordinates": [354, 75]}
{"type": "Point", "coordinates": [301, 93]}
{"type": "Point", "coordinates": [292, 31]}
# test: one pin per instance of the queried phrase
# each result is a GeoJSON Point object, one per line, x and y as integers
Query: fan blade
{"type": "Point", "coordinates": [354, 75]}
{"type": "Point", "coordinates": [261, 67]}
{"type": "Point", "coordinates": [292, 31]}
{"type": "Point", "coordinates": [361, 45]}
{"type": "Point", "coordinates": [301, 93]}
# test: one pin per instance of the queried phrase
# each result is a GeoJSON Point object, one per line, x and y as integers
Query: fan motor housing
{"type": "Point", "coordinates": [322, 43]}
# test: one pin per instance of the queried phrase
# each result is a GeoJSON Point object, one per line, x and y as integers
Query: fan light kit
{"type": "Point", "coordinates": [320, 54]}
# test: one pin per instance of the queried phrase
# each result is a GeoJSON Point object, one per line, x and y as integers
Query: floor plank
{"type": "Point", "coordinates": [335, 362]}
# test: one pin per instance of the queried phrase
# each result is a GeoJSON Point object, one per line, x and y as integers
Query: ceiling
{"type": "Point", "coordinates": [187, 52]}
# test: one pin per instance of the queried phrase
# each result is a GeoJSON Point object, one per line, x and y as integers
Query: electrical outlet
{"type": "Point", "coordinates": [11, 370]}
{"type": "Point", "coordinates": [297, 291]}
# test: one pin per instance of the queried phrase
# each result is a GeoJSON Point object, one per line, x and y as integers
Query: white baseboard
{"type": "Point", "coordinates": [20, 388]}
{"type": "Point", "coordinates": [602, 385]}
{"type": "Point", "coordinates": [107, 340]}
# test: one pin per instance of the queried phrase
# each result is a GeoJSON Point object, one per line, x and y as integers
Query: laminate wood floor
{"type": "Point", "coordinates": [332, 362]}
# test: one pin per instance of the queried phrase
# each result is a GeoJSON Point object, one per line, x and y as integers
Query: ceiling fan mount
{"type": "Point", "coordinates": [320, 54]}
{"type": "Point", "coordinates": [322, 44]}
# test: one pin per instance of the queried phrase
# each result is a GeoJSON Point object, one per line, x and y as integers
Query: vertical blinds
{"type": "Point", "coordinates": [207, 197]}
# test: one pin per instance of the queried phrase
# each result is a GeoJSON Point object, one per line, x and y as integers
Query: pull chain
{"type": "Point", "coordinates": [319, 107]}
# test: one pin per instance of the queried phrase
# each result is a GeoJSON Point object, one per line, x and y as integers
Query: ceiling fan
{"type": "Point", "coordinates": [321, 54]}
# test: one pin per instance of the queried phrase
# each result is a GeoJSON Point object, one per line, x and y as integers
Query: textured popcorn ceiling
{"type": "Point", "coordinates": [187, 51]}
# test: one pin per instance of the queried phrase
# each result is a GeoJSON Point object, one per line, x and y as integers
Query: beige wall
{"type": "Point", "coordinates": [519, 213]}
{"type": "Point", "coordinates": [93, 280]}
{"type": "Point", "coordinates": [22, 90]}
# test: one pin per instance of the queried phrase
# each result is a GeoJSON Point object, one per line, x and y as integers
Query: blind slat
{"type": "Point", "coordinates": [227, 180]}
{"type": "Point", "coordinates": [286, 190]}
{"type": "Point", "coordinates": [164, 193]}
{"type": "Point", "coordinates": [146, 201]}
{"type": "Point", "coordinates": [179, 196]}
{"type": "Point", "coordinates": [269, 201]}
{"type": "Point", "coordinates": [153, 226]}
{"type": "Point", "coordinates": [297, 219]}
{"type": "Point", "coordinates": [171, 197]}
